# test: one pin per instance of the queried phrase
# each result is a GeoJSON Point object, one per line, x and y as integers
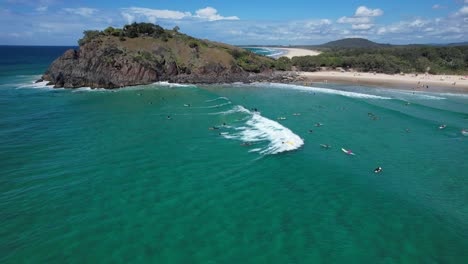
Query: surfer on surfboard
{"type": "Point", "coordinates": [349, 152]}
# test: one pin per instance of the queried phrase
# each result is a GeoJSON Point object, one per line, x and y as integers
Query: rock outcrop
{"type": "Point", "coordinates": [109, 61]}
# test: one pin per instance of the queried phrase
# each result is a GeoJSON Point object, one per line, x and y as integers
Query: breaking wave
{"type": "Point", "coordinates": [321, 90]}
{"type": "Point", "coordinates": [258, 129]}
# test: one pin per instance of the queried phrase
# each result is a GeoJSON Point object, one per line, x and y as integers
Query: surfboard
{"type": "Point", "coordinates": [346, 151]}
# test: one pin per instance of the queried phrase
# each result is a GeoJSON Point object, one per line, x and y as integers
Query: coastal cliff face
{"type": "Point", "coordinates": [109, 61]}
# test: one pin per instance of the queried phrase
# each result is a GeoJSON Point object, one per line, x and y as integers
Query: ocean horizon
{"type": "Point", "coordinates": [228, 173]}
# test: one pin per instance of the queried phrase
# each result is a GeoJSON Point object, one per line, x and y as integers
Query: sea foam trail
{"type": "Point", "coordinates": [216, 99]}
{"type": "Point", "coordinates": [322, 90]}
{"type": "Point", "coordinates": [260, 129]}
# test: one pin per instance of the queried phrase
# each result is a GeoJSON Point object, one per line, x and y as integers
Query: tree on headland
{"type": "Point", "coordinates": [89, 35]}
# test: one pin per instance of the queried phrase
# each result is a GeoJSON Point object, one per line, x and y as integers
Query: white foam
{"type": "Point", "coordinates": [216, 99]}
{"type": "Point", "coordinates": [321, 90]}
{"type": "Point", "coordinates": [41, 85]}
{"type": "Point", "coordinates": [410, 94]}
{"type": "Point", "coordinates": [172, 84]}
{"type": "Point", "coordinates": [261, 129]}
{"type": "Point", "coordinates": [89, 89]}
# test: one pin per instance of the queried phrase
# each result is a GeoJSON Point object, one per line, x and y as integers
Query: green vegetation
{"type": "Point", "coordinates": [251, 62]}
{"type": "Point", "coordinates": [133, 30]}
{"type": "Point", "coordinates": [89, 35]}
{"type": "Point", "coordinates": [283, 64]}
{"type": "Point", "coordinates": [407, 59]}
{"type": "Point", "coordinates": [152, 46]}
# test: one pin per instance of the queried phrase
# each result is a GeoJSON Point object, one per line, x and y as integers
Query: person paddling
{"type": "Point", "coordinates": [378, 170]}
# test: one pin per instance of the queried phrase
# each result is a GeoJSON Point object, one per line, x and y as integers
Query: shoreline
{"type": "Point", "coordinates": [292, 52]}
{"type": "Point", "coordinates": [419, 82]}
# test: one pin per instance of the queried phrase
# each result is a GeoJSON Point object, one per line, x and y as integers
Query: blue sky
{"type": "Point", "coordinates": [293, 22]}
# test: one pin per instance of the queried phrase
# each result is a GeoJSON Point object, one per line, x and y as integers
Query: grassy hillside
{"type": "Point", "coordinates": [149, 43]}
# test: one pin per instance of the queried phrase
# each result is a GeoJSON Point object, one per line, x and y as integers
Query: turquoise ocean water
{"type": "Point", "coordinates": [270, 52]}
{"type": "Point", "coordinates": [96, 176]}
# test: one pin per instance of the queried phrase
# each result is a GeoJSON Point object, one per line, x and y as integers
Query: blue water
{"type": "Point", "coordinates": [270, 52]}
{"type": "Point", "coordinates": [99, 176]}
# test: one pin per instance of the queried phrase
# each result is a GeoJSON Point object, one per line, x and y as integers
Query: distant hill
{"type": "Point", "coordinates": [457, 44]}
{"type": "Point", "coordinates": [353, 43]}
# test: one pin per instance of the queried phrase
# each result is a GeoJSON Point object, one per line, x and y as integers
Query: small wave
{"type": "Point", "coordinates": [216, 99]}
{"type": "Point", "coordinates": [172, 84]}
{"type": "Point", "coordinates": [236, 109]}
{"type": "Point", "coordinates": [42, 85]}
{"type": "Point", "coordinates": [212, 106]}
{"type": "Point", "coordinates": [411, 94]}
{"type": "Point", "coordinates": [89, 89]}
{"type": "Point", "coordinates": [259, 129]}
{"type": "Point", "coordinates": [322, 90]}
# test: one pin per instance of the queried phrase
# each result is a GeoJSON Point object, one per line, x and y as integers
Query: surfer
{"type": "Point", "coordinates": [442, 126]}
{"type": "Point", "coordinates": [246, 144]}
{"type": "Point", "coordinates": [169, 117]}
{"type": "Point", "coordinates": [378, 170]}
{"type": "Point", "coordinates": [325, 146]}
{"type": "Point", "coordinates": [349, 152]}
{"type": "Point", "coordinates": [318, 124]}
{"type": "Point", "coordinates": [213, 128]}
{"type": "Point", "coordinates": [311, 131]}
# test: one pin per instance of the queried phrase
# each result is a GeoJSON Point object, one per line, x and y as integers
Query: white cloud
{"type": "Point", "coordinates": [437, 6]}
{"type": "Point", "coordinates": [362, 20]}
{"type": "Point", "coordinates": [152, 15]}
{"type": "Point", "coordinates": [82, 11]}
{"type": "Point", "coordinates": [362, 26]}
{"type": "Point", "coordinates": [133, 13]}
{"type": "Point", "coordinates": [363, 11]}
{"type": "Point", "coordinates": [42, 8]}
{"type": "Point", "coordinates": [354, 20]}
{"type": "Point", "coordinates": [417, 23]}
{"type": "Point", "coordinates": [462, 12]}
{"type": "Point", "coordinates": [211, 14]}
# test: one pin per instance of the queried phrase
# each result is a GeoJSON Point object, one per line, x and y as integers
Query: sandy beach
{"type": "Point", "coordinates": [426, 82]}
{"type": "Point", "coordinates": [294, 52]}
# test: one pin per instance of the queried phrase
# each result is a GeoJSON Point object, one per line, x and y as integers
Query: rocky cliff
{"type": "Point", "coordinates": [145, 54]}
